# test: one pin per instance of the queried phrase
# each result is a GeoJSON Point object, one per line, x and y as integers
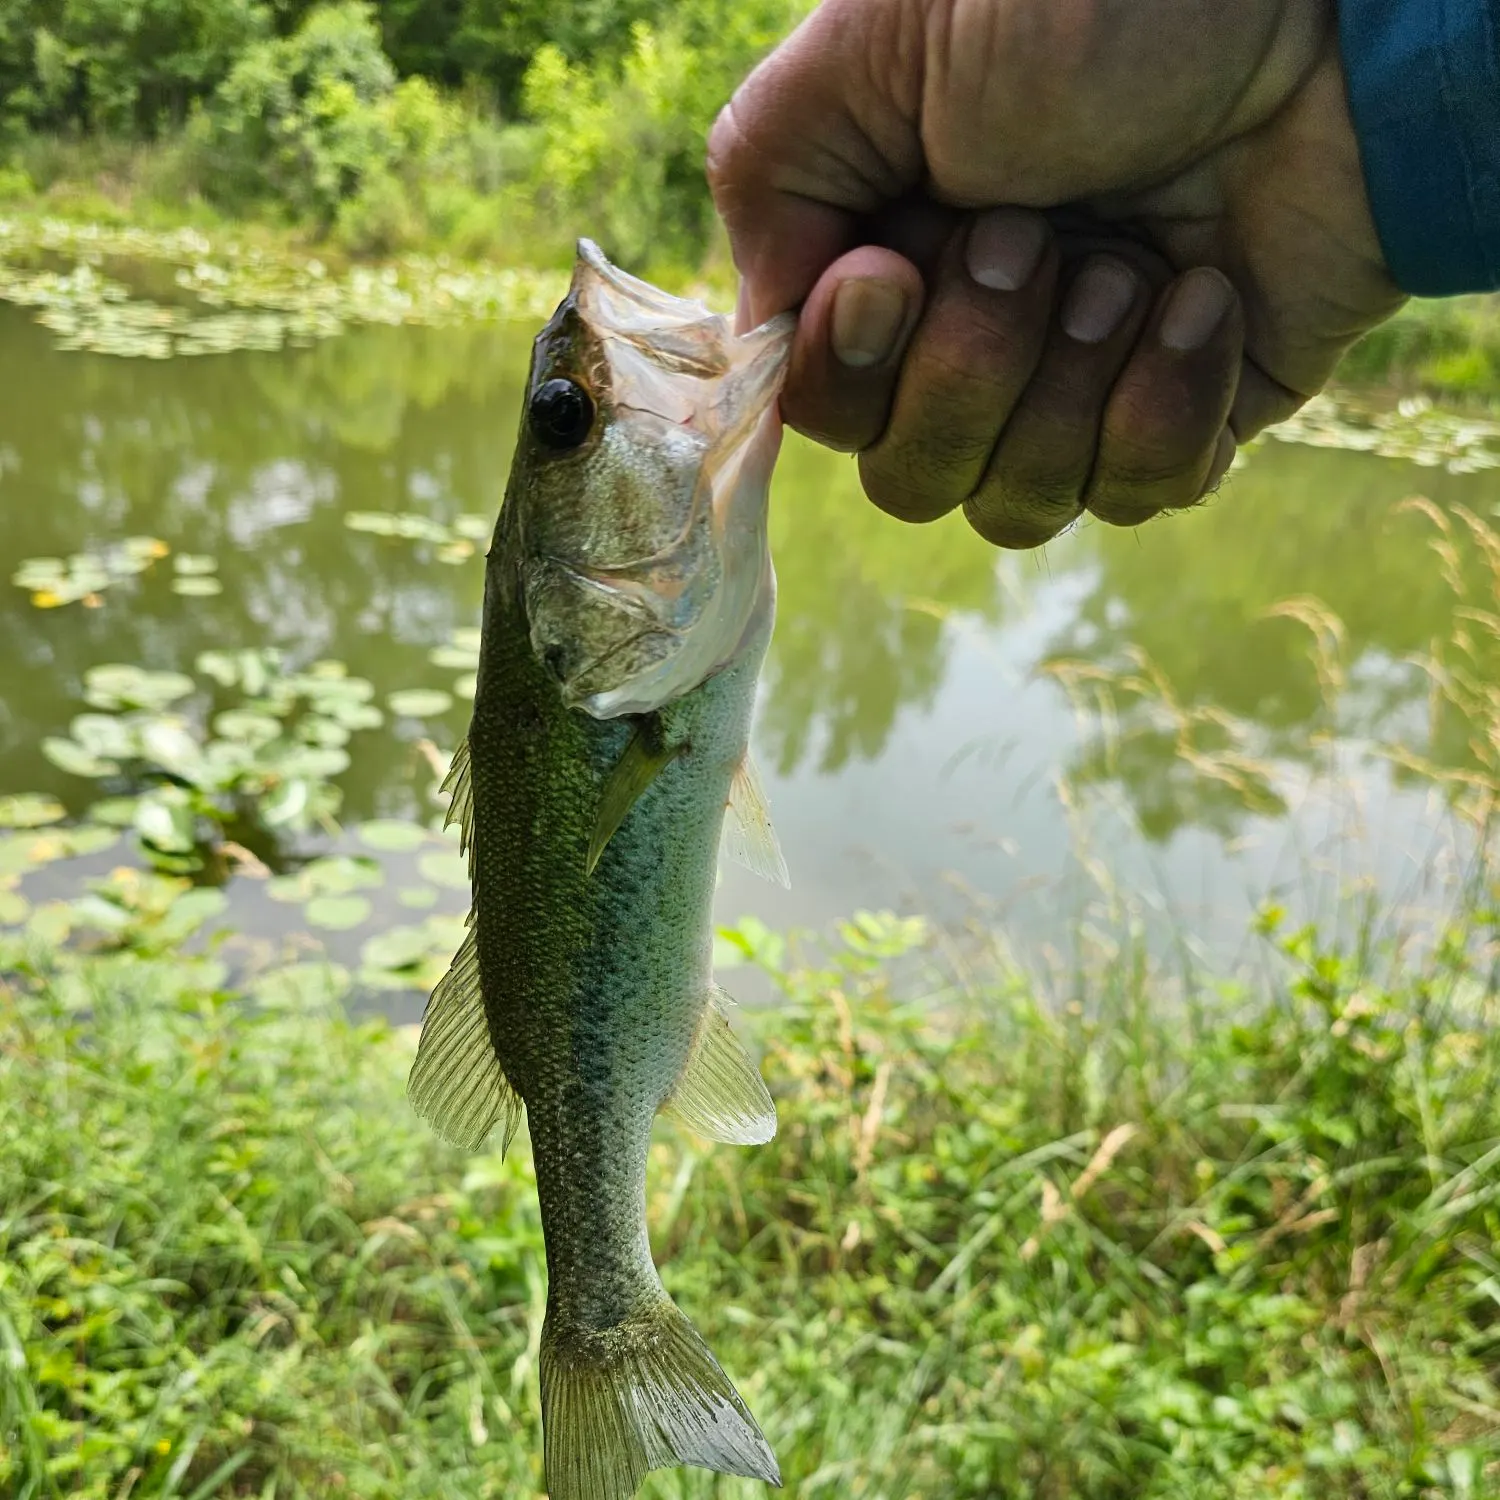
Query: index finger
{"type": "Point", "coordinates": [810, 142]}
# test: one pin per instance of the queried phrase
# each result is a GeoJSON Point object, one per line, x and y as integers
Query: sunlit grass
{"type": "Point", "coordinates": [1005, 1243]}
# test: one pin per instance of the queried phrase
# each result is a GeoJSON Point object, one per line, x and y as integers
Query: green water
{"type": "Point", "coordinates": [911, 744]}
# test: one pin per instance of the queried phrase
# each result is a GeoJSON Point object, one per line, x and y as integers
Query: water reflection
{"type": "Point", "coordinates": [902, 722]}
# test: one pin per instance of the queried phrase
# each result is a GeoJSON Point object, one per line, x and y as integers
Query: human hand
{"type": "Point", "coordinates": [897, 167]}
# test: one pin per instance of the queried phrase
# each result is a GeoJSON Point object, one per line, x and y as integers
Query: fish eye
{"type": "Point", "coordinates": [562, 414]}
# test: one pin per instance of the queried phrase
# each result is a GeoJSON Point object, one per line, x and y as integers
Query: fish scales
{"type": "Point", "coordinates": [628, 606]}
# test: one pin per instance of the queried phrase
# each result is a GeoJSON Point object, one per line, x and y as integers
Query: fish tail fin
{"type": "Point", "coordinates": [645, 1395]}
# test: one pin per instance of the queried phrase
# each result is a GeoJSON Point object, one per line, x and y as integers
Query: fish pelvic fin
{"type": "Point", "coordinates": [457, 1084]}
{"type": "Point", "coordinates": [749, 837]}
{"type": "Point", "coordinates": [645, 758]}
{"type": "Point", "coordinates": [645, 1395]}
{"type": "Point", "coordinates": [721, 1095]}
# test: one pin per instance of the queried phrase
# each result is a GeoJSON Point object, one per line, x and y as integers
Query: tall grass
{"type": "Point", "coordinates": [1005, 1243]}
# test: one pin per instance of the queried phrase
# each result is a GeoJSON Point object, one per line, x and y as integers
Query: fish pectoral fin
{"type": "Point", "coordinates": [457, 1084]}
{"type": "Point", "coordinates": [645, 758]}
{"type": "Point", "coordinates": [748, 835]}
{"type": "Point", "coordinates": [646, 1395]}
{"type": "Point", "coordinates": [721, 1095]}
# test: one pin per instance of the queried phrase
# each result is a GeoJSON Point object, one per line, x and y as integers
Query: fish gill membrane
{"type": "Point", "coordinates": [629, 600]}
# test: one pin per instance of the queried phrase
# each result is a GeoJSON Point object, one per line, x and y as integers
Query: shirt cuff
{"type": "Point", "coordinates": [1424, 89]}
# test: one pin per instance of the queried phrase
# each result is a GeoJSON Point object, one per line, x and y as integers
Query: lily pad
{"type": "Point", "coordinates": [392, 835]}
{"type": "Point", "coordinates": [115, 812]}
{"type": "Point", "coordinates": [443, 868]}
{"type": "Point", "coordinates": [70, 756]}
{"type": "Point", "coordinates": [165, 820]}
{"type": "Point", "coordinates": [397, 948]}
{"type": "Point", "coordinates": [197, 588]}
{"type": "Point", "coordinates": [117, 685]}
{"type": "Point", "coordinates": [14, 908]}
{"type": "Point", "coordinates": [194, 564]}
{"type": "Point", "coordinates": [453, 657]}
{"type": "Point", "coordinates": [419, 703]}
{"type": "Point", "coordinates": [332, 875]}
{"type": "Point", "coordinates": [249, 728]}
{"type": "Point", "coordinates": [418, 897]}
{"type": "Point", "coordinates": [337, 913]}
{"type": "Point", "coordinates": [467, 686]}
{"type": "Point", "coordinates": [30, 810]}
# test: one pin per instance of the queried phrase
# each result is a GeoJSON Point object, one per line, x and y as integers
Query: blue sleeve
{"type": "Point", "coordinates": [1424, 89]}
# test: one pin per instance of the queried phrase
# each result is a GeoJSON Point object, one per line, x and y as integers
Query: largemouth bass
{"type": "Point", "coordinates": [628, 603]}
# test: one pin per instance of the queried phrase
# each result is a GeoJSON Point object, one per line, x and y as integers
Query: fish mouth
{"type": "Point", "coordinates": [676, 359]}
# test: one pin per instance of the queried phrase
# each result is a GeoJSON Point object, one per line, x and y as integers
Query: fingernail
{"type": "Point", "coordinates": [1196, 309]}
{"type": "Point", "coordinates": [867, 319]}
{"type": "Point", "coordinates": [1097, 302]}
{"type": "Point", "coordinates": [1005, 247]}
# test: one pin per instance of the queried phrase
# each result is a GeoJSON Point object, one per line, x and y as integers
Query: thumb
{"type": "Point", "coordinates": [824, 131]}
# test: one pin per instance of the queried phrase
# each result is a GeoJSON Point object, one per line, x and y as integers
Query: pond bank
{"type": "Point", "coordinates": [1085, 1249]}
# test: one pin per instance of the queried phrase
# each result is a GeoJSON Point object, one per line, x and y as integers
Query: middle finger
{"type": "Point", "coordinates": [969, 360]}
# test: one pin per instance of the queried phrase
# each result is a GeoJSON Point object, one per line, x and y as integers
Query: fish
{"type": "Point", "coordinates": [629, 599]}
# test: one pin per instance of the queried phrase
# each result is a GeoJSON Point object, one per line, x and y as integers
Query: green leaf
{"type": "Point", "coordinates": [419, 703]}
{"type": "Point", "coordinates": [310, 762]}
{"type": "Point", "coordinates": [305, 986]}
{"type": "Point", "coordinates": [105, 735]}
{"type": "Point", "coordinates": [443, 868]}
{"type": "Point", "coordinates": [169, 743]}
{"type": "Point", "coordinates": [116, 812]}
{"type": "Point", "coordinates": [337, 913]}
{"type": "Point", "coordinates": [164, 819]}
{"type": "Point", "coordinates": [30, 810]}
{"type": "Point", "coordinates": [397, 948]}
{"type": "Point", "coordinates": [246, 726]}
{"type": "Point", "coordinates": [194, 564]}
{"type": "Point", "coordinates": [69, 756]}
{"type": "Point", "coordinates": [117, 685]}
{"type": "Point", "coordinates": [197, 588]}
{"type": "Point", "coordinates": [190, 911]}
{"type": "Point", "coordinates": [89, 838]}
{"type": "Point", "coordinates": [390, 834]}
{"type": "Point", "coordinates": [454, 658]}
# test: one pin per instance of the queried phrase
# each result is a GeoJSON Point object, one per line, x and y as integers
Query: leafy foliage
{"type": "Point", "coordinates": [999, 1246]}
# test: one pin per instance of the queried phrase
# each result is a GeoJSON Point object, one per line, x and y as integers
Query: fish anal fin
{"type": "Point", "coordinates": [749, 837]}
{"type": "Point", "coordinates": [721, 1095]}
{"type": "Point", "coordinates": [644, 1395]}
{"type": "Point", "coordinates": [645, 758]}
{"type": "Point", "coordinates": [457, 1084]}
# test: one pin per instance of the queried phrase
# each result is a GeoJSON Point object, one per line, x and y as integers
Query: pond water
{"type": "Point", "coordinates": [913, 731]}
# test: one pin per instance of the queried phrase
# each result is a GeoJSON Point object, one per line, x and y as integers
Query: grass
{"type": "Point", "coordinates": [1137, 1244]}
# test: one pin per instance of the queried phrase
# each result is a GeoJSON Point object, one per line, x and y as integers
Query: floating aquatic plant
{"type": "Point", "coordinates": [1415, 430]}
{"type": "Point", "coordinates": [269, 762]}
{"type": "Point", "coordinates": [83, 576]}
{"type": "Point", "coordinates": [239, 297]}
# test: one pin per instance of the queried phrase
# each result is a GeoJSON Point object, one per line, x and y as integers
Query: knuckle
{"type": "Point", "coordinates": [1019, 521]}
{"type": "Point", "coordinates": [891, 489]}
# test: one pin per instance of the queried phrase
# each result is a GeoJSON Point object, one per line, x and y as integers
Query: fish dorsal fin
{"type": "Point", "coordinates": [457, 1084]}
{"type": "Point", "coordinates": [645, 758]}
{"type": "Point", "coordinates": [748, 835]}
{"type": "Point", "coordinates": [459, 784]}
{"type": "Point", "coordinates": [721, 1095]}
